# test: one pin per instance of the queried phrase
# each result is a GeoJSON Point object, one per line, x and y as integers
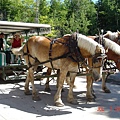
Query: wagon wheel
{"type": "Point", "coordinates": [109, 65]}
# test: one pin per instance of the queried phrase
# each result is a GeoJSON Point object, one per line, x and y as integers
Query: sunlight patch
{"type": "Point", "coordinates": [15, 96]}
{"type": "Point", "coordinates": [44, 92]}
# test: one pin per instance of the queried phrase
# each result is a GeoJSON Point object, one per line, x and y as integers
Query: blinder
{"type": "Point", "coordinates": [97, 58]}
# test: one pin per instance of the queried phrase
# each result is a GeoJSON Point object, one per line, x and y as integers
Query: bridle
{"type": "Point", "coordinates": [96, 58]}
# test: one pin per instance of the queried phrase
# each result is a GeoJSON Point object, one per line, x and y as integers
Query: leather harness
{"type": "Point", "coordinates": [74, 53]}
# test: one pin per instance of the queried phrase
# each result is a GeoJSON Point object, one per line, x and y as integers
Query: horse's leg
{"type": "Point", "coordinates": [68, 80]}
{"type": "Point", "coordinates": [57, 97]}
{"type": "Point", "coordinates": [92, 90]}
{"type": "Point", "coordinates": [89, 94]}
{"type": "Point", "coordinates": [27, 91]}
{"type": "Point", "coordinates": [70, 97]}
{"type": "Point", "coordinates": [47, 87]}
{"type": "Point", "coordinates": [104, 87]}
{"type": "Point", "coordinates": [30, 78]}
{"type": "Point", "coordinates": [58, 74]}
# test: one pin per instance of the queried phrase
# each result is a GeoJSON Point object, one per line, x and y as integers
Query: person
{"type": "Point", "coordinates": [3, 48]}
{"type": "Point", "coordinates": [1, 41]}
{"type": "Point", "coordinates": [16, 42]}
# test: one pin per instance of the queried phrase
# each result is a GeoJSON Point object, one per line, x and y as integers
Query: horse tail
{"type": "Point", "coordinates": [17, 51]}
{"type": "Point", "coordinates": [112, 45]}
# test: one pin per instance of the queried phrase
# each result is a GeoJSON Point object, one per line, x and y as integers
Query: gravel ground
{"type": "Point", "coordinates": [14, 105]}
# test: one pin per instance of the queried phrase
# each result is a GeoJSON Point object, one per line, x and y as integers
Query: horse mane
{"type": "Point", "coordinates": [112, 46]}
{"type": "Point", "coordinates": [66, 35]}
{"type": "Point", "coordinates": [112, 35]}
{"type": "Point", "coordinates": [87, 43]}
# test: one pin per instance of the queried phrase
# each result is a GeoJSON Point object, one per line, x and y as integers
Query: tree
{"type": "Point", "coordinates": [108, 14]}
{"type": "Point", "coordinates": [22, 11]}
{"type": "Point", "coordinates": [57, 15]}
{"type": "Point", "coordinates": [62, 15]}
{"type": "Point", "coordinates": [80, 15]}
{"type": "Point", "coordinates": [4, 9]}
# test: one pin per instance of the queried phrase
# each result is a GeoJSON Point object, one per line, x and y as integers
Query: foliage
{"type": "Point", "coordinates": [64, 15]}
{"type": "Point", "coordinates": [108, 14]}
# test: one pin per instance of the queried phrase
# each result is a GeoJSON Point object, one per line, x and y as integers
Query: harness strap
{"type": "Point", "coordinates": [52, 59]}
{"type": "Point", "coordinates": [100, 41]}
{"type": "Point", "coordinates": [29, 56]}
{"type": "Point", "coordinates": [73, 48]}
{"type": "Point", "coordinates": [50, 53]}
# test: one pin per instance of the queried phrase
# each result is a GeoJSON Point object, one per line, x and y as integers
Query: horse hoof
{"type": "Point", "coordinates": [107, 91]}
{"type": "Point", "coordinates": [36, 98]}
{"type": "Point", "coordinates": [74, 102]}
{"type": "Point", "coordinates": [47, 89]}
{"type": "Point", "coordinates": [28, 93]}
{"type": "Point", "coordinates": [59, 104]}
{"type": "Point", "coordinates": [90, 99]}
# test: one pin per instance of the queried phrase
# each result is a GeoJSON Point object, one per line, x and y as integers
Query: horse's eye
{"type": "Point", "coordinates": [98, 60]}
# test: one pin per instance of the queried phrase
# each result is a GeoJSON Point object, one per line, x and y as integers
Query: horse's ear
{"type": "Point", "coordinates": [77, 31]}
{"type": "Point", "coordinates": [96, 35]}
{"type": "Point", "coordinates": [118, 31]}
{"type": "Point", "coordinates": [71, 31]}
{"type": "Point", "coordinates": [102, 31]}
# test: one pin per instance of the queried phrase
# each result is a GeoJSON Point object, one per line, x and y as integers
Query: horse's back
{"type": "Point", "coordinates": [38, 40]}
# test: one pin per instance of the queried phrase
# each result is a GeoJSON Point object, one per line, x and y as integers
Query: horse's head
{"type": "Point", "coordinates": [89, 47]}
{"type": "Point", "coordinates": [97, 62]}
{"type": "Point", "coordinates": [114, 36]}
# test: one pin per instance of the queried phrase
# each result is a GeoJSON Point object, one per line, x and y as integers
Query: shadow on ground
{"type": "Point", "coordinates": [12, 96]}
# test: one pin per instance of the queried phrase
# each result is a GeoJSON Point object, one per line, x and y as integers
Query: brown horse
{"type": "Point", "coordinates": [38, 50]}
{"type": "Point", "coordinates": [114, 36]}
{"type": "Point", "coordinates": [112, 54]}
